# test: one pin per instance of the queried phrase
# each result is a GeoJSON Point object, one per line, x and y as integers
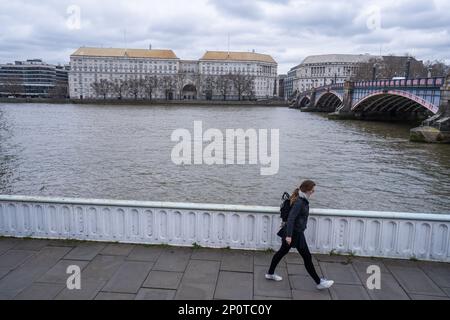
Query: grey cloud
{"type": "Point", "coordinates": [289, 30]}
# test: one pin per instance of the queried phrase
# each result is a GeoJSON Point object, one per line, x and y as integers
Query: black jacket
{"type": "Point", "coordinates": [298, 217]}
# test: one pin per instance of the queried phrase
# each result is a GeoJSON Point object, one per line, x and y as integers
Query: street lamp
{"type": "Point", "coordinates": [374, 72]}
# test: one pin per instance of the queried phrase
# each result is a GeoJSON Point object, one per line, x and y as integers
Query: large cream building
{"type": "Point", "coordinates": [90, 65]}
{"type": "Point", "coordinates": [319, 70]}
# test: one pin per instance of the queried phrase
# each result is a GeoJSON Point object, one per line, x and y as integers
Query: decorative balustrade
{"type": "Point", "coordinates": [377, 234]}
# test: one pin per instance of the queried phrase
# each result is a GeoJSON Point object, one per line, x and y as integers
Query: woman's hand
{"type": "Point", "coordinates": [289, 240]}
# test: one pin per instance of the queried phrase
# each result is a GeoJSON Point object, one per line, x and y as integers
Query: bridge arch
{"type": "Point", "coordinates": [396, 104]}
{"type": "Point", "coordinates": [328, 102]}
{"type": "Point", "coordinates": [304, 102]}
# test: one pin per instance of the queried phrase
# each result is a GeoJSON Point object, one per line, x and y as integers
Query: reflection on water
{"type": "Point", "coordinates": [123, 152]}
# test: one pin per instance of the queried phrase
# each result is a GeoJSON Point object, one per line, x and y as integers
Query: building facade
{"type": "Point", "coordinates": [281, 85]}
{"type": "Point", "coordinates": [34, 78]}
{"type": "Point", "coordinates": [175, 78]}
{"type": "Point", "coordinates": [319, 70]}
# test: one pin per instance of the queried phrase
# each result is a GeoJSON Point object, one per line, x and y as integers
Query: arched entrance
{"type": "Point", "coordinates": [189, 92]}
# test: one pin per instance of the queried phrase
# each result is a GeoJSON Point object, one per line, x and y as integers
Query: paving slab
{"type": "Point", "coordinates": [199, 280]}
{"type": "Point", "coordinates": [261, 298]}
{"type": "Point", "coordinates": [295, 258]}
{"type": "Point", "coordinates": [414, 281]}
{"type": "Point", "coordinates": [7, 244]}
{"type": "Point", "coordinates": [439, 273]}
{"type": "Point", "coordinates": [423, 297]}
{"type": "Point", "coordinates": [117, 249]}
{"type": "Point", "coordinates": [311, 295]}
{"type": "Point", "coordinates": [31, 244]}
{"type": "Point", "coordinates": [348, 292]}
{"type": "Point", "coordinates": [390, 288]}
{"type": "Point", "coordinates": [332, 258]}
{"type": "Point", "coordinates": [40, 291]}
{"type": "Point", "coordinates": [299, 282]}
{"type": "Point", "coordinates": [89, 290]}
{"type": "Point", "coordinates": [114, 296]}
{"type": "Point", "coordinates": [85, 251]}
{"type": "Point", "coordinates": [102, 267]}
{"type": "Point", "coordinates": [299, 269]}
{"type": "Point", "coordinates": [155, 294]}
{"type": "Point", "coordinates": [265, 259]}
{"type": "Point", "coordinates": [237, 261]}
{"type": "Point", "coordinates": [340, 273]}
{"type": "Point", "coordinates": [4, 272]}
{"type": "Point", "coordinates": [13, 258]}
{"type": "Point", "coordinates": [145, 254]}
{"type": "Point", "coordinates": [447, 291]}
{"type": "Point", "coordinates": [163, 280]}
{"type": "Point", "coordinates": [207, 254]}
{"type": "Point", "coordinates": [266, 288]}
{"type": "Point", "coordinates": [174, 260]}
{"type": "Point", "coordinates": [58, 273]}
{"type": "Point", "coordinates": [129, 278]}
{"type": "Point", "coordinates": [234, 286]}
{"type": "Point", "coordinates": [22, 277]}
{"type": "Point", "coordinates": [361, 265]}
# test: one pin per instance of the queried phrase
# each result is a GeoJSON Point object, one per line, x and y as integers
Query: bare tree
{"type": "Point", "coordinates": [242, 84]}
{"type": "Point", "coordinates": [102, 88]}
{"type": "Point", "coordinates": [179, 83]}
{"type": "Point", "coordinates": [13, 86]}
{"type": "Point", "coordinates": [120, 88]}
{"type": "Point", "coordinates": [223, 85]}
{"type": "Point", "coordinates": [135, 87]}
{"type": "Point", "coordinates": [150, 84]}
{"type": "Point", "coordinates": [388, 67]}
{"type": "Point", "coordinates": [249, 87]}
{"type": "Point", "coordinates": [59, 91]}
{"type": "Point", "coordinates": [208, 86]}
{"type": "Point", "coordinates": [437, 68]}
{"type": "Point", "coordinates": [168, 85]}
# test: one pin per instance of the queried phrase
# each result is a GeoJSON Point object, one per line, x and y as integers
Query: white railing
{"type": "Point", "coordinates": [376, 234]}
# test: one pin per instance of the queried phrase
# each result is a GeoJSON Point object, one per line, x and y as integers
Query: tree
{"type": "Point", "coordinates": [179, 83]}
{"type": "Point", "coordinates": [102, 88]}
{"type": "Point", "coordinates": [135, 87]}
{"type": "Point", "coordinates": [207, 85]}
{"type": "Point", "coordinates": [242, 84]}
{"type": "Point", "coordinates": [120, 88]}
{"type": "Point", "coordinates": [437, 68]}
{"type": "Point", "coordinates": [168, 85]}
{"type": "Point", "coordinates": [13, 86]}
{"type": "Point", "coordinates": [388, 67]}
{"type": "Point", "coordinates": [150, 84]}
{"type": "Point", "coordinates": [59, 91]}
{"type": "Point", "coordinates": [223, 85]}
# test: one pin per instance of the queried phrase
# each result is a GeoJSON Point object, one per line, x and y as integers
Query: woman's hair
{"type": "Point", "coordinates": [294, 196]}
{"type": "Point", "coordinates": [307, 185]}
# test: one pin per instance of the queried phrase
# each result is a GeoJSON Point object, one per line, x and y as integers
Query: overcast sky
{"type": "Point", "coordinates": [289, 30]}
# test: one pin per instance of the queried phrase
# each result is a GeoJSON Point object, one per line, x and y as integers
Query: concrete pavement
{"type": "Point", "coordinates": [36, 269]}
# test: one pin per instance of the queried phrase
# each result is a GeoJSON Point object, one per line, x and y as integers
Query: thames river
{"type": "Point", "coordinates": [124, 152]}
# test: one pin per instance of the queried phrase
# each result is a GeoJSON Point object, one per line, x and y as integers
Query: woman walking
{"type": "Point", "coordinates": [293, 235]}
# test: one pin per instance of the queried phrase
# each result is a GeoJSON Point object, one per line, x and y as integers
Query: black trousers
{"type": "Point", "coordinates": [302, 248]}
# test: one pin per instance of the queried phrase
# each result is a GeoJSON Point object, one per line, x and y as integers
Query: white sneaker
{"type": "Point", "coordinates": [274, 277]}
{"type": "Point", "coordinates": [325, 284]}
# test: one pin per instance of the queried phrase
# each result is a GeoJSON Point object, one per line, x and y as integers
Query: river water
{"type": "Point", "coordinates": [124, 152]}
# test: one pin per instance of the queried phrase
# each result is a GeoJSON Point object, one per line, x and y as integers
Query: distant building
{"type": "Point", "coordinates": [33, 78]}
{"type": "Point", "coordinates": [281, 85]}
{"type": "Point", "coordinates": [177, 79]}
{"type": "Point", "coordinates": [289, 83]}
{"type": "Point", "coordinates": [319, 70]}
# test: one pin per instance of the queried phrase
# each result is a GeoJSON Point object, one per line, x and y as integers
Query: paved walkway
{"type": "Point", "coordinates": [36, 269]}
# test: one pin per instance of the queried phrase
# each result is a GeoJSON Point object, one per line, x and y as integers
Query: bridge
{"type": "Point", "coordinates": [425, 99]}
